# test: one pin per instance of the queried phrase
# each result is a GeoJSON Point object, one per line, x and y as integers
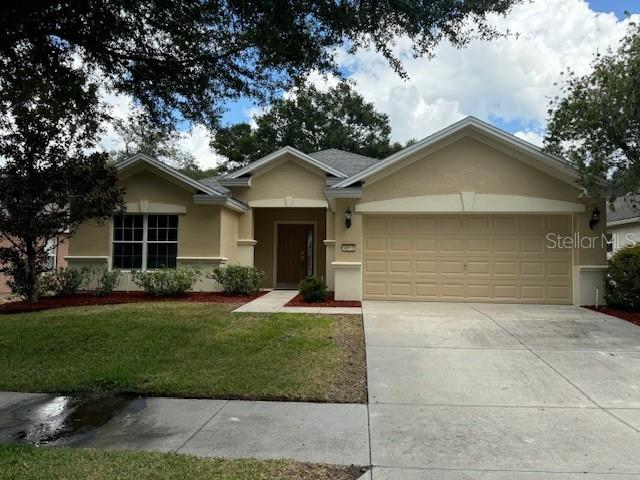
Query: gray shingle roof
{"type": "Point", "coordinates": [623, 208]}
{"type": "Point", "coordinates": [345, 162]}
{"type": "Point", "coordinates": [212, 182]}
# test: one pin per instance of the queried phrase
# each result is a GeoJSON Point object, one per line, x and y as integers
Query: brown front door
{"type": "Point", "coordinates": [294, 254]}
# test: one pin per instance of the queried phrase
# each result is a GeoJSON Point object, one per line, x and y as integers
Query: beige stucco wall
{"type": "Point", "coordinates": [467, 165]}
{"type": "Point", "coordinates": [265, 220]}
{"type": "Point", "coordinates": [284, 178]}
{"type": "Point", "coordinates": [229, 236]}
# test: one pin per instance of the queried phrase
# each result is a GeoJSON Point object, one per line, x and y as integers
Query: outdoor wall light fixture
{"type": "Point", "coordinates": [347, 217]}
{"type": "Point", "coordinates": [595, 218]}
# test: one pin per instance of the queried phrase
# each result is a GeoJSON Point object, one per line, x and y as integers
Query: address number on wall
{"type": "Point", "coordinates": [348, 247]}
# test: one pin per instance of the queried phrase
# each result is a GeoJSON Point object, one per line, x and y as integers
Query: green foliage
{"type": "Point", "coordinates": [595, 123]}
{"type": "Point", "coordinates": [167, 281]}
{"type": "Point", "coordinates": [185, 60]}
{"type": "Point", "coordinates": [105, 281]}
{"type": "Point", "coordinates": [623, 279]}
{"type": "Point", "coordinates": [310, 121]}
{"type": "Point", "coordinates": [313, 289]}
{"type": "Point", "coordinates": [64, 281]}
{"type": "Point", "coordinates": [239, 279]}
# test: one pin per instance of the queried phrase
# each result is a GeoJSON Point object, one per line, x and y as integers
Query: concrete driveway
{"type": "Point", "coordinates": [501, 392]}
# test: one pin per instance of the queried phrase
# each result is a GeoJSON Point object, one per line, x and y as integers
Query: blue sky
{"type": "Point", "coordinates": [507, 81]}
{"type": "Point", "coordinates": [237, 111]}
{"type": "Point", "coordinates": [616, 6]}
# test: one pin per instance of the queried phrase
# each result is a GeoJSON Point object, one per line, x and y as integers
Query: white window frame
{"type": "Point", "coordinates": [145, 243]}
{"type": "Point", "coordinates": [52, 252]}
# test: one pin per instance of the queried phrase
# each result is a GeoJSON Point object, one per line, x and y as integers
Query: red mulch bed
{"type": "Point", "coordinates": [628, 315]}
{"type": "Point", "coordinates": [85, 299]}
{"type": "Point", "coordinates": [297, 301]}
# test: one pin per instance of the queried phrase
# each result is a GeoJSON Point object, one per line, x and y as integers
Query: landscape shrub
{"type": "Point", "coordinates": [313, 289]}
{"type": "Point", "coordinates": [106, 281]}
{"type": "Point", "coordinates": [623, 279]}
{"type": "Point", "coordinates": [166, 281]}
{"type": "Point", "coordinates": [64, 281]}
{"type": "Point", "coordinates": [239, 279]}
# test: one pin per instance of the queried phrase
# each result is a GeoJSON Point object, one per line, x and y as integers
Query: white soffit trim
{"type": "Point", "coordinates": [288, 202]}
{"type": "Point", "coordinates": [220, 200]}
{"type": "Point", "coordinates": [279, 153]}
{"type": "Point", "coordinates": [469, 122]}
{"type": "Point", "coordinates": [470, 202]}
{"type": "Point", "coordinates": [141, 157]}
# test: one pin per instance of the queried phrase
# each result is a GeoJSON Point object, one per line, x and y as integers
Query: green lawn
{"type": "Point", "coordinates": [184, 349]}
{"type": "Point", "coordinates": [32, 463]}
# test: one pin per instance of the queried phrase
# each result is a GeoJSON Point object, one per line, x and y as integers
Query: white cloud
{"type": "Point", "coordinates": [531, 136]}
{"type": "Point", "coordinates": [195, 141]}
{"type": "Point", "coordinates": [510, 79]}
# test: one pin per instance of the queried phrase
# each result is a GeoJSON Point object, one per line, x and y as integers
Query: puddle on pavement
{"type": "Point", "coordinates": [70, 419]}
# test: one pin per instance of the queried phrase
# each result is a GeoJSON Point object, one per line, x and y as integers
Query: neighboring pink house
{"type": "Point", "coordinates": [58, 251]}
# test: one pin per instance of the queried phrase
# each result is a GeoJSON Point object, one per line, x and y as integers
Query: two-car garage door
{"type": "Point", "coordinates": [492, 258]}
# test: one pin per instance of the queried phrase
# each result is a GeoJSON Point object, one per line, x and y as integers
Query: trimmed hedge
{"type": "Point", "coordinates": [239, 279]}
{"type": "Point", "coordinates": [313, 289]}
{"type": "Point", "coordinates": [167, 281]}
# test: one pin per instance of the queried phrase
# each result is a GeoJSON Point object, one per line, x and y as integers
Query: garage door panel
{"type": "Point", "coordinates": [426, 266]}
{"type": "Point", "coordinates": [475, 258]}
{"type": "Point", "coordinates": [373, 244]}
{"type": "Point", "coordinates": [479, 268]}
{"type": "Point", "coordinates": [505, 245]}
{"type": "Point", "coordinates": [375, 266]}
{"type": "Point", "coordinates": [479, 224]}
{"type": "Point", "coordinates": [400, 266]}
{"type": "Point", "coordinates": [451, 245]}
{"type": "Point", "coordinates": [426, 245]}
{"type": "Point", "coordinates": [453, 290]}
{"type": "Point", "coordinates": [479, 292]}
{"type": "Point", "coordinates": [400, 289]}
{"type": "Point", "coordinates": [375, 289]}
{"type": "Point", "coordinates": [426, 290]}
{"type": "Point", "coordinates": [400, 244]}
{"type": "Point", "coordinates": [505, 268]}
{"type": "Point", "coordinates": [479, 245]}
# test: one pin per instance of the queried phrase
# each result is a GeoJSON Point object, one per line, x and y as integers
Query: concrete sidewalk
{"type": "Point", "coordinates": [275, 301]}
{"type": "Point", "coordinates": [307, 432]}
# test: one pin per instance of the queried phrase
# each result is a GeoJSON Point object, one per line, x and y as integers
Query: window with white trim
{"type": "Point", "coordinates": [143, 242]}
{"type": "Point", "coordinates": [52, 251]}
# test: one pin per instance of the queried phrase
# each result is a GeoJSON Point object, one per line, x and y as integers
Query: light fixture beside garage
{"type": "Point", "coordinates": [347, 217]}
{"type": "Point", "coordinates": [595, 218]}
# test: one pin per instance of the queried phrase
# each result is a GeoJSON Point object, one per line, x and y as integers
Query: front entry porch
{"type": "Point", "coordinates": [290, 244]}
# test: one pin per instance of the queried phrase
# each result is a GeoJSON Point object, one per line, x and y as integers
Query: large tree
{"type": "Point", "coordinates": [49, 180]}
{"type": "Point", "coordinates": [596, 121]}
{"type": "Point", "coordinates": [310, 120]}
{"type": "Point", "coordinates": [188, 57]}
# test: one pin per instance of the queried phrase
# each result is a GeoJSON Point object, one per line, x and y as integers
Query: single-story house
{"type": "Point", "coordinates": [57, 248]}
{"type": "Point", "coordinates": [470, 213]}
{"type": "Point", "coordinates": [623, 223]}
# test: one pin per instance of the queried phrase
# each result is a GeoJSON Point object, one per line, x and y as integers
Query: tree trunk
{"type": "Point", "coordinates": [31, 274]}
